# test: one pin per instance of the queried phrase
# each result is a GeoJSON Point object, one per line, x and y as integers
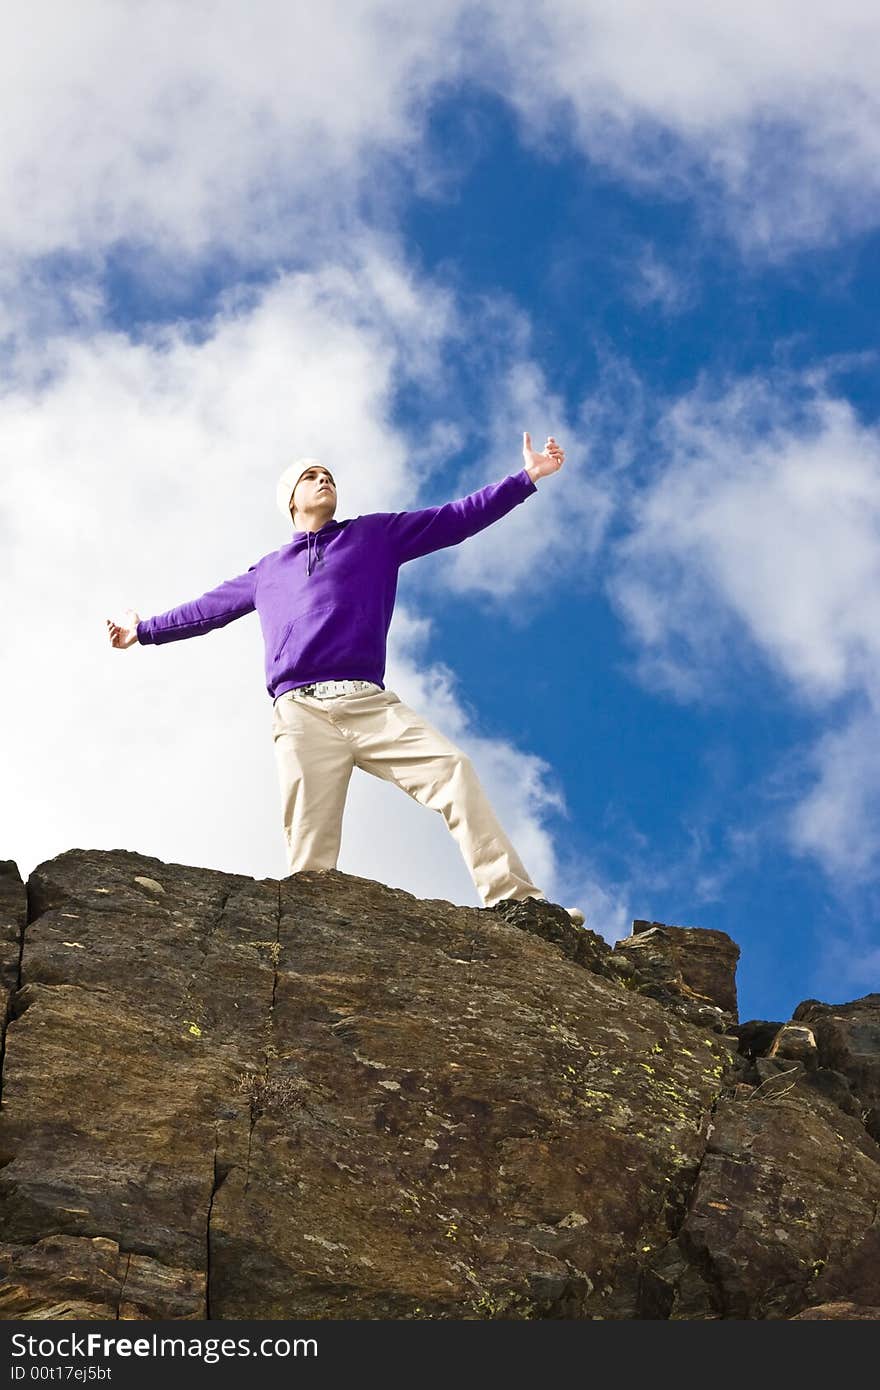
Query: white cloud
{"type": "Point", "coordinates": [761, 531]}
{"type": "Point", "coordinates": [207, 123]}
{"type": "Point", "coordinates": [837, 821]}
{"type": "Point", "coordinates": [184, 130]}
{"type": "Point", "coordinates": [774, 106]}
{"type": "Point", "coordinates": [653, 281]}
{"type": "Point", "coordinates": [773, 520]}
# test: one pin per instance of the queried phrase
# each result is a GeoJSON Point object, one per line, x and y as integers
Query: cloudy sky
{"type": "Point", "coordinates": [394, 237]}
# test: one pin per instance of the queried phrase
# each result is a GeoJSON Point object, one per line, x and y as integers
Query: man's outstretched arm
{"type": "Point", "coordinates": [421, 532]}
{"type": "Point", "coordinates": [231, 599]}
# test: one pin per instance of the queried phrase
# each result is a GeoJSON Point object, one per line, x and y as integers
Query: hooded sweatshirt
{"type": "Point", "coordinates": [326, 598]}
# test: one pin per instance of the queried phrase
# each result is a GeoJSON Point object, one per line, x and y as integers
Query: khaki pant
{"type": "Point", "coordinates": [319, 742]}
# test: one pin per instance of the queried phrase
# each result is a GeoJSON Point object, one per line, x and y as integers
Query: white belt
{"type": "Point", "coordinates": [328, 690]}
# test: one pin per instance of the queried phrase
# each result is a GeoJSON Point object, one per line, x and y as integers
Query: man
{"type": "Point", "coordinates": [325, 601]}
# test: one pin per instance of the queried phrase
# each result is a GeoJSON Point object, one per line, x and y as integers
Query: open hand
{"type": "Point", "coordinates": [539, 465]}
{"type": "Point", "coordinates": [123, 634]}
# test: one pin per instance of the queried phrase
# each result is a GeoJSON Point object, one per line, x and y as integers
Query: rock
{"type": "Point", "coordinates": [849, 1312]}
{"type": "Point", "coordinates": [835, 1087]}
{"type": "Point", "coordinates": [775, 1049]}
{"type": "Point", "coordinates": [644, 971]}
{"type": "Point", "coordinates": [787, 1188]}
{"type": "Point", "coordinates": [848, 1041]}
{"type": "Point", "coordinates": [756, 1036]}
{"type": "Point", "coordinates": [696, 963]}
{"type": "Point", "coordinates": [776, 1074]}
{"type": "Point", "coordinates": [82, 1278]}
{"type": "Point", "coordinates": [794, 1042]}
{"type": "Point", "coordinates": [618, 965]}
{"type": "Point", "coordinates": [13, 915]}
{"type": "Point", "coordinates": [326, 1098]}
{"type": "Point", "coordinates": [552, 923]}
{"type": "Point", "coordinates": [853, 1274]}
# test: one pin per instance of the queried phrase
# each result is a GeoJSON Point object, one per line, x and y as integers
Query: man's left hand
{"type": "Point", "coordinates": [539, 465]}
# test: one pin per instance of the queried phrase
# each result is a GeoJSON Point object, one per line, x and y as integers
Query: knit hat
{"type": "Point", "coordinates": [288, 481]}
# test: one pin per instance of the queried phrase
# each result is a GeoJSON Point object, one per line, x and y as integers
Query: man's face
{"type": "Point", "coordinates": [315, 490]}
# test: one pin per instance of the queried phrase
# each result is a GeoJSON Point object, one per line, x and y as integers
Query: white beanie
{"type": "Point", "coordinates": [288, 481]}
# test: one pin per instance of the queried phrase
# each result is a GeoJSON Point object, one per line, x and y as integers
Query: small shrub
{"type": "Point", "coordinates": [268, 1095]}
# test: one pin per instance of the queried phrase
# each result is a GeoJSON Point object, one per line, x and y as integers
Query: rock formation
{"type": "Point", "coordinates": [324, 1098]}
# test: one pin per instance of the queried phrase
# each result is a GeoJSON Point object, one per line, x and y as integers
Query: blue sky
{"type": "Point", "coordinates": [397, 253]}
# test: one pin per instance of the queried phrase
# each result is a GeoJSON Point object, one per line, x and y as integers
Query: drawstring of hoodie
{"type": "Point", "coordinates": [311, 555]}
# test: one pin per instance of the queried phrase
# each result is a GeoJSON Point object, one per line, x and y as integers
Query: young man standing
{"type": "Point", "coordinates": [325, 601]}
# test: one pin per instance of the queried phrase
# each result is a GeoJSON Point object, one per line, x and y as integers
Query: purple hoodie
{"type": "Point", "coordinates": [326, 598]}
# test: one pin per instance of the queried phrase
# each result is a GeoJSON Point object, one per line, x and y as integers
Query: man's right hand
{"type": "Point", "coordinates": [123, 634]}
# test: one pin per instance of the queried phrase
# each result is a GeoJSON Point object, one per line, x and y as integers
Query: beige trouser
{"type": "Point", "coordinates": [319, 742]}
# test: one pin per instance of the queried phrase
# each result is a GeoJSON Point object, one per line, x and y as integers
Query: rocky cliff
{"type": "Point", "coordinates": [323, 1098]}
